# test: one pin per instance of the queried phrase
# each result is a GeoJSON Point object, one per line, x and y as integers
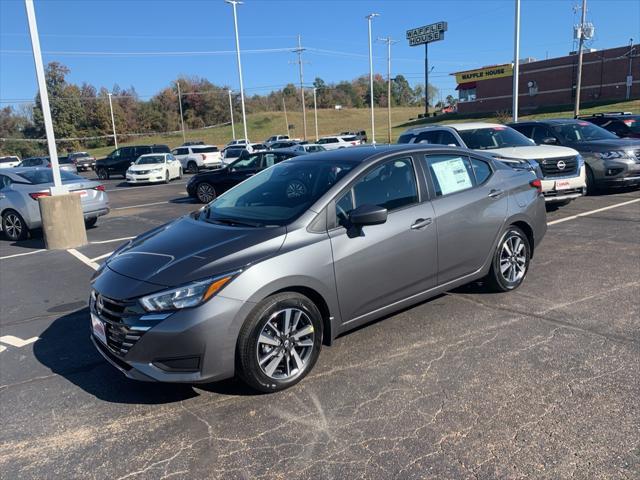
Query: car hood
{"type": "Point", "coordinates": [186, 250]}
{"type": "Point", "coordinates": [607, 145]}
{"type": "Point", "coordinates": [145, 167]}
{"type": "Point", "coordinates": [534, 152]}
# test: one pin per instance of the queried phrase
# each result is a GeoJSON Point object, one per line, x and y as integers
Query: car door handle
{"type": "Point", "coordinates": [421, 223]}
{"type": "Point", "coordinates": [496, 193]}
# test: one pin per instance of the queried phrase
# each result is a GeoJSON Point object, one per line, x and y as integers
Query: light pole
{"type": "Point", "coordinates": [315, 111]}
{"type": "Point", "coordinates": [630, 74]}
{"type": "Point", "coordinates": [184, 138]}
{"type": "Point", "coordinates": [389, 41]}
{"type": "Point", "coordinates": [286, 120]}
{"type": "Point", "coordinates": [576, 109]}
{"type": "Point", "coordinates": [516, 63]}
{"type": "Point", "coordinates": [299, 51]}
{"type": "Point", "coordinates": [233, 126]}
{"type": "Point", "coordinates": [113, 122]}
{"type": "Point", "coordinates": [234, 4]}
{"type": "Point", "coordinates": [373, 125]}
{"type": "Point", "coordinates": [57, 188]}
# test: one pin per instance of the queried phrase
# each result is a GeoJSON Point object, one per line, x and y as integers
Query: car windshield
{"type": "Point", "coordinates": [494, 137]}
{"type": "Point", "coordinates": [277, 195]}
{"type": "Point", "coordinates": [38, 177]}
{"type": "Point", "coordinates": [150, 160]}
{"type": "Point", "coordinates": [581, 132]}
{"type": "Point", "coordinates": [64, 160]}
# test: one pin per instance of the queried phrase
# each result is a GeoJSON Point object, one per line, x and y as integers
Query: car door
{"type": "Point", "coordinates": [470, 206]}
{"type": "Point", "coordinates": [242, 169]}
{"type": "Point", "coordinates": [120, 163]}
{"type": "Point", "coordinates": [382, 264]}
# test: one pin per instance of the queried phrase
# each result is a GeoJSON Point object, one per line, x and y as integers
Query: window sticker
{"type": "Point", "coordinates": [452, 175]}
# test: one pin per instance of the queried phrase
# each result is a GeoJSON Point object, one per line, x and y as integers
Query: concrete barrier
{"type": "Point", "coordinates": [62, 221]}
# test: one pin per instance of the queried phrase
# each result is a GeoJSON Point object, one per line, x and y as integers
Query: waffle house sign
{"type": "Point", "coordinates": [486, 73]}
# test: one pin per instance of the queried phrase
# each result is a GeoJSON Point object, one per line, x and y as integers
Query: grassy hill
{"type": "Point", "coordinates": [262, 125]}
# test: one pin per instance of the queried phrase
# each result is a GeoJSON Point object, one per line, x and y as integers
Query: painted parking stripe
{"type": "Point", "coordinates": [121, 239]}
{"type": "Point", "coordinates": [23, 254]}
{"type": "Point", "coordinates": [125, 189]}
{"type": "Point", "coordinates": [591, 212]}
{"type": "Point", "coordinates": [101, 257]}
{"type": "Point", "coordinates": [83, 258]}
{"type": "Point", "coordinates": [18, 342]}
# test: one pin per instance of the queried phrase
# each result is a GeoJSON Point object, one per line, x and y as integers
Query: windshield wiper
{"type": "Point", "coordinates": [234, 222]}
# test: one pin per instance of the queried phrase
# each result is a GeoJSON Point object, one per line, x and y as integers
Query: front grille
{"type": "Point", "coordinates": [141, 172]}
{"type": "Point", "coordinates": [637, 154]}
{"type": "Point", "coordinates": [120, 336]}
{"type": "Point", "coordinates": [551, 167]}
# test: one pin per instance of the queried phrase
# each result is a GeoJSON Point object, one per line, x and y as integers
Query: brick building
{"type": "Point", "coordinates": [551, 82]}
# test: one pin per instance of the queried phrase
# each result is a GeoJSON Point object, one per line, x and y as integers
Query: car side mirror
{"type": "Point", "coordinates": [549, 141]}
{"type": "Point", "coordinates": [132, 163]}
{"type": "Point", "coordinates": [368, 215]}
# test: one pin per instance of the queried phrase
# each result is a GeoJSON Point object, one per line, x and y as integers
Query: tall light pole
{"type": "Point", "coordinates": [516, 63]}
{"type": "Point", "coordinates": [113, 122]}
{"type": "Point", "coordinates": [57, 188]}
{"type": "Point", "coordinates": [373, 124]}
{"type": "Point", "coordinates": [576, 109]}
{"type": "Point", "coordinates": [389, 41]}
{"type": "Point", "coordinates": [286, 120]}
{"type": "Point", "coordinates": [630, 74]}
{"type": "Point", "coordinates": [184, 138]}
{"type": "Point", "coordinates": [299, 51]}
{"type": "Point", "coordinates": [315, 112]}
{"type": "Point", "coordinates": [233, 126]}
{"type": "Point", "coordinates": [234, 4]}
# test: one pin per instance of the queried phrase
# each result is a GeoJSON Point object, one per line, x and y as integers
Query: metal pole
{"type": "Point", "coordinates": [234, 4]}
{"type": "Point", "coordinates": [57, 188]}
{"type": "Point", "coordinates": [184, 138]}
{"type": "Point", "coordinates": [315, 111]}
{"type": "Point", "coordinates": [113, 122]}
{"type": "Point", "coordinates": [630, 71]}
{"type": "Point", "coordinates": [286, 120]}
{"type": "Point", "coordinates": [389, 87]}
{"type": "Point", "coordinates": [426, 79]}
{"type": "Point", "coordinates": [516, 63]}
{"type": "Point", "coordinates": [233, 125]}
{"type": "Point", "coordinates": [299, 51]}
{"type": "Point", "coordinates": [373, 124]}
{"type": "Point", "coordinates": [576, 110]}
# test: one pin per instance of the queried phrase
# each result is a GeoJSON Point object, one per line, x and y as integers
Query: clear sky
{"type": "Point", "coordinates": [134, 42]}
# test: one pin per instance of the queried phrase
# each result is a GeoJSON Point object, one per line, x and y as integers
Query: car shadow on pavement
{"type": "Point", "coordinates": [36, 242]}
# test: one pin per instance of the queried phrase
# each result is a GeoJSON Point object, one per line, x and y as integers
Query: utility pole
{"type": "Point", "coordinates": [233, 126]}
{"type": "Point", "coordinates": [389, 41]}
{"type": "Point", "coordinates": [315, 111]}
{"type": "Point", "coordinates": [234, 4]}
{"type": "Point", "coordinates": [576, 110]}
{"type": "Point", "coordinates": [516, 63]}
{"type": "Point", "coordinates": [426, 79]}
{"type": "Point", "coordinates": [370, 17]}
{"type": "Point", "coordinates": [630, 74]}
{"type": "Point", "coordinates": [299, 51]}
{"type": "Point", "coordinates": [113, 122]}
{"type": "Point", "coordinates": [184, 138]}
{"type": "Point", "coordinates": [286, 120]}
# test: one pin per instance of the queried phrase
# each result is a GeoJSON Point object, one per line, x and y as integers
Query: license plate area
{"type": "Point", "coordinates": [98, 328]}
{"type": "Point", "coordinates": [563, 184]}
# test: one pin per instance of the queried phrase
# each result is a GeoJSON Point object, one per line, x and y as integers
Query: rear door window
{"type": "Point", "coordinates": [450, 173]}
{"type": "Point", "coordinates": [432, 136]}
{"type": "Point", "coordinates": [181, 151]}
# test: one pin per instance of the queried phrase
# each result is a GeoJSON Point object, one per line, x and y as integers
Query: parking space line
{"type": "Point", "coordinates": [84, 259]}
{"type": "Point", "coordinates": [141, 205]}
{"type": "Point", "coordinates": [591, 212]}
{"type": "Point", "coordinates": [18, 342]}
{"type": "Point", "coordinates": [125, 189]}
{"type": "Point", "coordinates": [23, 254]}
{"type": "Point", "coordinates": [101, 257]}
{"type": "Point", "coordinates": [99, 242]}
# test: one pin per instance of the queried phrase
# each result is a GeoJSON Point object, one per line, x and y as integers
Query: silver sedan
{"type": "Point", "coordinates": [20, 189]}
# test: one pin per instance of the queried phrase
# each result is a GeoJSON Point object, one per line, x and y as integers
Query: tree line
{"type": "Point", "coordinates": [82, 114]}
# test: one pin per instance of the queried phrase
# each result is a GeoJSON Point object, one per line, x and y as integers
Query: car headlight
{"type": "Point", "coordinates": [613, 154]}
{"type": "Point", "coordinates": [190, 295]}
{"type": "Point", "coordinates": [159, 169]}
{"type": "Point", "coordinates": [580, 161]}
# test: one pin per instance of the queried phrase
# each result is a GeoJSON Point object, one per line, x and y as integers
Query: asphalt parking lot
{"type": "Point", "coordinates": [539, 383]}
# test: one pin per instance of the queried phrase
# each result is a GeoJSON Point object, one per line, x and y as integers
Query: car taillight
{"type": "Point", "coordinates": [48, 165]}
{"type": "Point", "coordinates": [537, 184]}
{"type": "Point", "coordinates": [353, 143]}
{"type": "Point", "coordinates": [37, 195]}
{"type": "Point", "coordinates": [100, 188]}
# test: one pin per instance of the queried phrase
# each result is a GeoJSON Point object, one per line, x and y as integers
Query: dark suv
{"type": "Point", "coordinates": [118, 161]}
{"type": "Point", "coordinates": [623, 124]}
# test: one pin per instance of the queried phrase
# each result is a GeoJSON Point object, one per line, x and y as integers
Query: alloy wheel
{"type": "Point", "coordinates": [206, 193]}
{"type": "Point", "coordinates": [13, 225]}
{"type": "Point", "coordinates": [285, 344]}
{"type": "Point", "coordinates": [513, 259]}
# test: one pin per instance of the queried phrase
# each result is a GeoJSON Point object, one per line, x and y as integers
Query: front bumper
{"type": "Point", "coordinates": [147, 178]}
{"type": "Point", "coordinates": [560, 189]}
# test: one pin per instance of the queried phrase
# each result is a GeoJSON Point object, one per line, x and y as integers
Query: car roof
{"type": "Point", "coordinates": [462, 126]}
{"type": "Point", "coordinates": [154, 154]}
{"type": "Point", "coordinates": [551, 121]}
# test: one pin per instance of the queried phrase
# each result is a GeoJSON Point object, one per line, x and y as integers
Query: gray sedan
{"type": "Point", "coordinates": [21, 187]}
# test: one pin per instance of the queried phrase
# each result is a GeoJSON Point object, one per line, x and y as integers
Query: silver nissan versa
{"type": "Point", "coordinates": [255, 282]}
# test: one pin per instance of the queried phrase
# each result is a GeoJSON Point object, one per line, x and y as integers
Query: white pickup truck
{"type": "Point", "coordinates": [196, 157]}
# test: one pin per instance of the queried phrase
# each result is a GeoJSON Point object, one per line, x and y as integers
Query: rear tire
{"type": "Point", "coordinates": [103, 174]}
{"type": "Point", "coordinates": [192, 167]}
{"type": "Point", "coordinates": [592, 188]}
{"type": "Point", "coordinates": [14, 226]}
{"type": "Point", "coordinates": [510, 262]}
{"type": "Point", "coordinates": [271, 359]}
{"type": "Point", "coordinates": [91, 222]}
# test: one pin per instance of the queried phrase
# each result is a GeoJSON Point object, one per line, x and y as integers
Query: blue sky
{"type": "Point", "coordinates": [110, 42]}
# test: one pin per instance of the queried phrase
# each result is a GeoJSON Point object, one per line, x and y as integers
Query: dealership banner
{"type": "Point", "coordinates": [485, 73]}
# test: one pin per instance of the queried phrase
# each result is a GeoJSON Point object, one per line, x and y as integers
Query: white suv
{"type": "Point", "coordinates": [194, 157]}
{"type": "Point", "coordinates": [275, 138]}
{"type": "Point", "coordinates": [339, 141]}
{"type": "Point", "coordinates": [562, 168]}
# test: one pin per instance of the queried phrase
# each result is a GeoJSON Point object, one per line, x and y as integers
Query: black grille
{"type": "Point", "coordinates": [141, 172]}
{"type": "Point", "coordinates": [120, 336]}
{"type": "Point", "coordinates": [637, 154]}
{"type": "Point", "coordinates": [551, 167]}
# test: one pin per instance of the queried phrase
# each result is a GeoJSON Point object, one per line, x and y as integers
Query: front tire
{"type": "Point", "coordinates": [205, 192]}
{"type": "Point", "coordinates": [592, 188]}
{"type": "Point", "coordinates": [91, 222]}
{"type": "Point", "coordinates": [510, 261]}
{"type": "Point", "coordinates": [14, 226]}
{"type": "Point", "coordinates": [280, 342]}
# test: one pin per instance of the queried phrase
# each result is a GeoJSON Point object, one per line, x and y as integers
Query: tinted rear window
{"type": "Point", "coordinates": [38, 177]}
{"type": "Point", "coordinates": [406, 138]}
{"type": "Point", "coordinates": [64, 160]}
{"type": "Point", "coordinates": [205, 149]}
{"type": "Point", "coordinates": [9, 159]}
{"type": "Point", "coordinates": [160, 149]}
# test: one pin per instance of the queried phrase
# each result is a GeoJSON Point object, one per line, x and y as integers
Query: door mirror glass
{"type": "Point", "coordinates": [549, 141]}
{"type": "Point", "coordinates": [368, 215]}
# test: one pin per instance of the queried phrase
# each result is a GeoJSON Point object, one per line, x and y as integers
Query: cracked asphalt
{"type": "Point", "coordinates": [539, 383]}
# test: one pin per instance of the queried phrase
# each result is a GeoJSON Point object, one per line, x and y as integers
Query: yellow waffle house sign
{"type": "Point", "coordinates": [486, 73]}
